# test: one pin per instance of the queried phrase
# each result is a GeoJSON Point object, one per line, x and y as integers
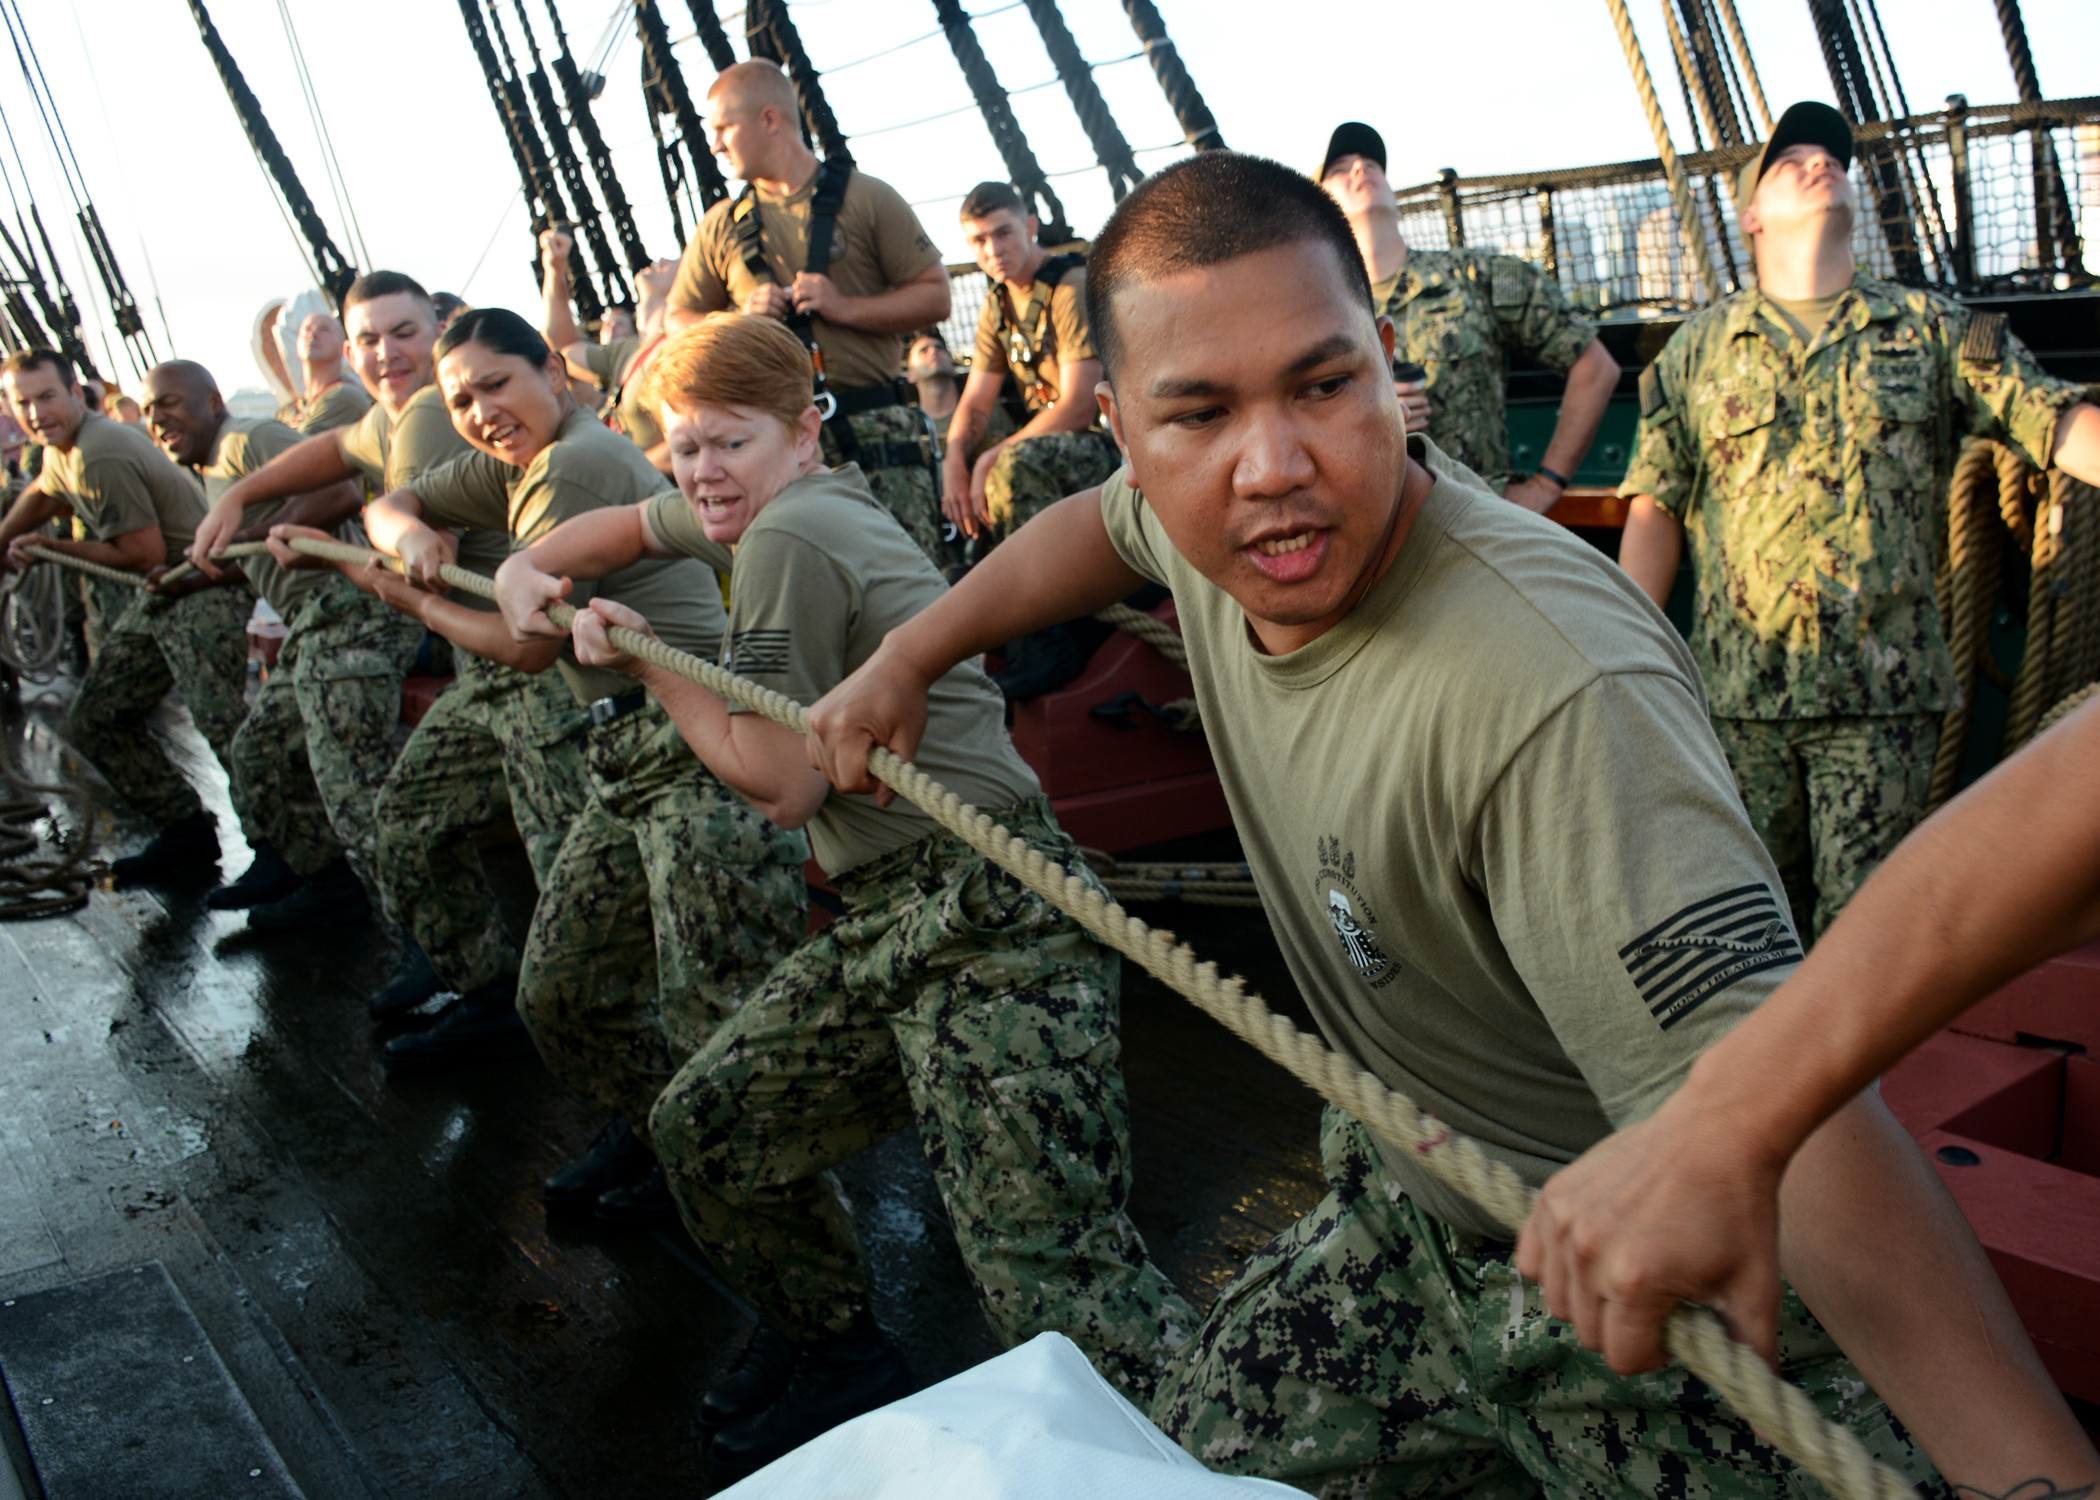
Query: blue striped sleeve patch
{"type": "Point", "coordinates": [1681, 963]}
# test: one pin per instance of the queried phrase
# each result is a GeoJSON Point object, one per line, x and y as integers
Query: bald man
{"type": "Point", "coordinates": [842, 260]}
{"type": "Point", "coordinates": [328, 397]}
{"type": "Point", "coordinates": [138, 512]}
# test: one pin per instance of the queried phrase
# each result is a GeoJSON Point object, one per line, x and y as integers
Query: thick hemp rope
{"type": "Point", "coordinates": [1782, 1412]}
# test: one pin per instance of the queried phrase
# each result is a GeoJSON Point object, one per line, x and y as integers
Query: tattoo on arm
{"type": "Point", "coordinates": [2037, 1488]}
{"type": "Point", "coordinates": [975, 425]}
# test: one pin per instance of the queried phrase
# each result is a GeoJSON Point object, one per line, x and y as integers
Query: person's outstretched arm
{"type": "Point", "coordinates": [313, 464]}
{"type": "Point", "coordinates": [591, 545]}
{"type": "Point", "coordinates": [1683, 1206]}
{"type": "Point", "coordinates": [1058, 567]}
{"type": "Point", "coordinates": [1650, 547]}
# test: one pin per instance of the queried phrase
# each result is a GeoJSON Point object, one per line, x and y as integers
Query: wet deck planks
{"type": "Point", "coordinates": [370, 1259]}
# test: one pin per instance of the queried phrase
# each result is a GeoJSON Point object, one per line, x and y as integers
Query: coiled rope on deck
{"type": "Point", "coordinates": [1782, 1412]}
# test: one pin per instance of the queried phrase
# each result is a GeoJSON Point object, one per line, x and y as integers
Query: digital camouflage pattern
{"type": "Point", "coordinates": [670, 900]}
{"type": "Point", "coordinates": [1812, 486]}
{"type": "Point", "coordinates": [1032, 474]}
{"type": "Point", "coordinates": [907, 488]}
{"type": "Point", "coordinates": [451, 778]}
{"type": "Point", "coordinates": [1372, 1351]}
{"type": "Point", "coordinates": [309, 761]}
{"type": "Point", "coordinates": [196, 645]}
{"type": "Point", "coordinates": [1831, 797]}
{"type": "Point", "coordinates": [950, 995]}
{"type": "Point", "coordinates": [1458, 314]}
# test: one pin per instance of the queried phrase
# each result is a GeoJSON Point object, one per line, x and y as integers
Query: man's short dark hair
{"type": "Point", "coordinates": [1213, 207]}
{"type": "Point", "coordinates": [373, 285]}
{"type": "Point", "coordinates": [988, 198]}
{"type": "Point", "coordinates": [41, 359]}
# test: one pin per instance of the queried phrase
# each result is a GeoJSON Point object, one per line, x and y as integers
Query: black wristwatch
{"type": "Point", "coordinates": [1545, 473]}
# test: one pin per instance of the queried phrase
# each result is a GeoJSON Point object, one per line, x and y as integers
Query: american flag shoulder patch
{"type": "Point", "coordinates": [1684, 961]}
{"type": "Point", "coordinates": [758, 653]}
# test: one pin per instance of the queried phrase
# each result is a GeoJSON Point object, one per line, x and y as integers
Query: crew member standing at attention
{"type": "Point", "coordinates": [841, 259]}
{"type": "Point", "coordinates": [318, 744]}
{"type": "Point", "coordinates": [1034, 328]}
{"type": "Point", "coordinates": [1459, 314]}
{"type": "Point", "coordinates": [328, 397]}
{"type": "Point", "coordinates": [1804, 433]}
{"type": "Point", "coordinates": [619, 358]}
{"type": "Point", "coordinates": [139, 511]}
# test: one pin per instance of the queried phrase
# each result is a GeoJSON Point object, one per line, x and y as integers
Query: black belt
{"type": "Point", "coordinates": [606, 710]}
{"type": "Point", "coordinates": [866, 398]}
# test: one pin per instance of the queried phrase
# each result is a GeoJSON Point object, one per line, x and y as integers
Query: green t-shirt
{"type": "Point", "coordinates": [618, 368]}
{"type": "Point", "coordinates": [116, 481]}
{"type": "Point", "coordinates": [819, 578]}
{"type": "Point", "coordinates": [1501, 850]}
{"type": "Point", "coordinates": [245, 444]}
{"type": "Point", "coordinates": [390, 451]}
{"type": "Point", "coordinates": [342, 405]}
{"type": "Point", "coordinates": [587, 467]}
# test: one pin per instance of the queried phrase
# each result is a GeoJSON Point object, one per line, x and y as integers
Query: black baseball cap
{"type": "Point", "coordinates": [1354, 138]}
{"type": "Point", "coordinates": [1809, 123]}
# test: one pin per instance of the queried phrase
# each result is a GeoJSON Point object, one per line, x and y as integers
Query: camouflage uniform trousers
{"type": "Point", "coordinates": [1371, 1351]}
{"type": "Point", "coordinates": [670, 900]}
{"type": "Point", "coordinates": [1032, 474]}
{"type": "Point", "coordinates": [308, 764]}
{"type": "Point", "coordinates": [452, 778]}
{"type": "Point", "coordinates": [1831, 798]}
{"type": "Point", "coordinates": [198, 646]}
{"type": "Point", "coordinates": [907, 491]}
{"type": "Point", "coordinates": [950, 995]}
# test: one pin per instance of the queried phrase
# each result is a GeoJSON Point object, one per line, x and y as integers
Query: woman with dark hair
{"type": "Point", "coordinates": [670, 897]}
{"type": "Point", "coordinates": [948, 994]}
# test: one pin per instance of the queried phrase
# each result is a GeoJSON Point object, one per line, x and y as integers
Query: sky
{"type": "Point", "coordinates": [1504, 86]}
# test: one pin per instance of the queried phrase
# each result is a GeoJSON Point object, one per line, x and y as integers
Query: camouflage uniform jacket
{"type": "Point", "coordinates": [1812, 481]}
{"type": "Point", "coordinates": [1458, 314]}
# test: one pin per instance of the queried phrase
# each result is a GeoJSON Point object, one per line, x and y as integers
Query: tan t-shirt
{"type": "Point", "coordinates": [245, 444]}
{"type": "Point", "coordinates": [819, 578]}
{"type": "Point", "coordinates": [877, 245]}
{"type": "Point", "coordinates": [1060, 325]}
{"type": "Point", "coordinates": [618, 368]}
{"type": "Point", "coordinates": [341, 405]}
{"type": "Point", "coordinates": [390, 451]}
{"type": "Point", "coordinates": [1502, 852]}
{"type": "Point", "coordinates": [116, 481]}
{"type": "Point", "coordinates": [588, 466]}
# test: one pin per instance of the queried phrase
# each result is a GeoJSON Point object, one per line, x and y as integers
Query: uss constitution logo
{"type": "Point", "coordinates": [1350, 915]}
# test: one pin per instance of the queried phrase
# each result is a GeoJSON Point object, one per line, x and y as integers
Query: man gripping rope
{"type": "Point", "coordinates": [139, 512]}
{"type": "Point", "coordinates": [1508, 869]}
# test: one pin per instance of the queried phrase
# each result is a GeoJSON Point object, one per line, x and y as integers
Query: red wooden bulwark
{"type": "Point", "coordinates": [1122, 783]}
{"type": "Point", "coordinates": [1589, 505]}
{"type": "Point", "coordinates": [2006, 1102]}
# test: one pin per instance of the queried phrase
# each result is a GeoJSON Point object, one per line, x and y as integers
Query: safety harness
{"type": "Point", "coordinates": [834, 406]}
{"type": "Point", "coordinates": [1027, 332]}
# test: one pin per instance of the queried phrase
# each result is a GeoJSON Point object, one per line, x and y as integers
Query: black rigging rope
{"type": "Point", "coordinates": [585, 124]}
{"type": "Point", "coordinates": [664, 90]}
{"type": "Point", "coordinates": [769, 32]}
{"type": "Point", "coordinates": [590, 226]}
{"type": "Point", "coordinates": [1110, 148]}
{"type": "Point", "coordinates": [1025, 172]}
{"type": "Point", "coordinates": [1190, 112]}
{"type": "Point", "coordinates": [708, 27]}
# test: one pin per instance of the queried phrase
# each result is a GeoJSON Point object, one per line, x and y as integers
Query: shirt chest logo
{"type": "Point", "coordinates": [1350, 915]}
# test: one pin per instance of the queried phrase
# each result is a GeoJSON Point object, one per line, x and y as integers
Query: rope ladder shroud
{"type": "Point", "coordinates": [1781, 1412]}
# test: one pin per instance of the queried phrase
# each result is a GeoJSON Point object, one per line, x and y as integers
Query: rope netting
{"type": "Point", "coordinates": [1610, 233]}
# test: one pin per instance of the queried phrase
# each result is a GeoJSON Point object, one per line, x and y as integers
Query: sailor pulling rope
{"type": "Point", "coordinates": [1779, 1410]}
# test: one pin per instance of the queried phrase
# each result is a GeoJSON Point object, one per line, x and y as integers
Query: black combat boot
{"type": "Point", "coordinates": [332, 896]}
{"type": "Point", "coordinates": [184, 850]}
{"type": "Point", "coordinates": [616, 1159]}
{"type": "Point", "coordinates": [414, 982]}
{"type": "Point", "coordinates": [268, 878]}
{"type": "Point", "coordinates": [754, 1379]}
{"type": "Point", "coordinates": [641, 1206]}
{"type": "Point", "coordinates": [834, 1380]}
{"type": "Point", "coordinates": [481, 1026]}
